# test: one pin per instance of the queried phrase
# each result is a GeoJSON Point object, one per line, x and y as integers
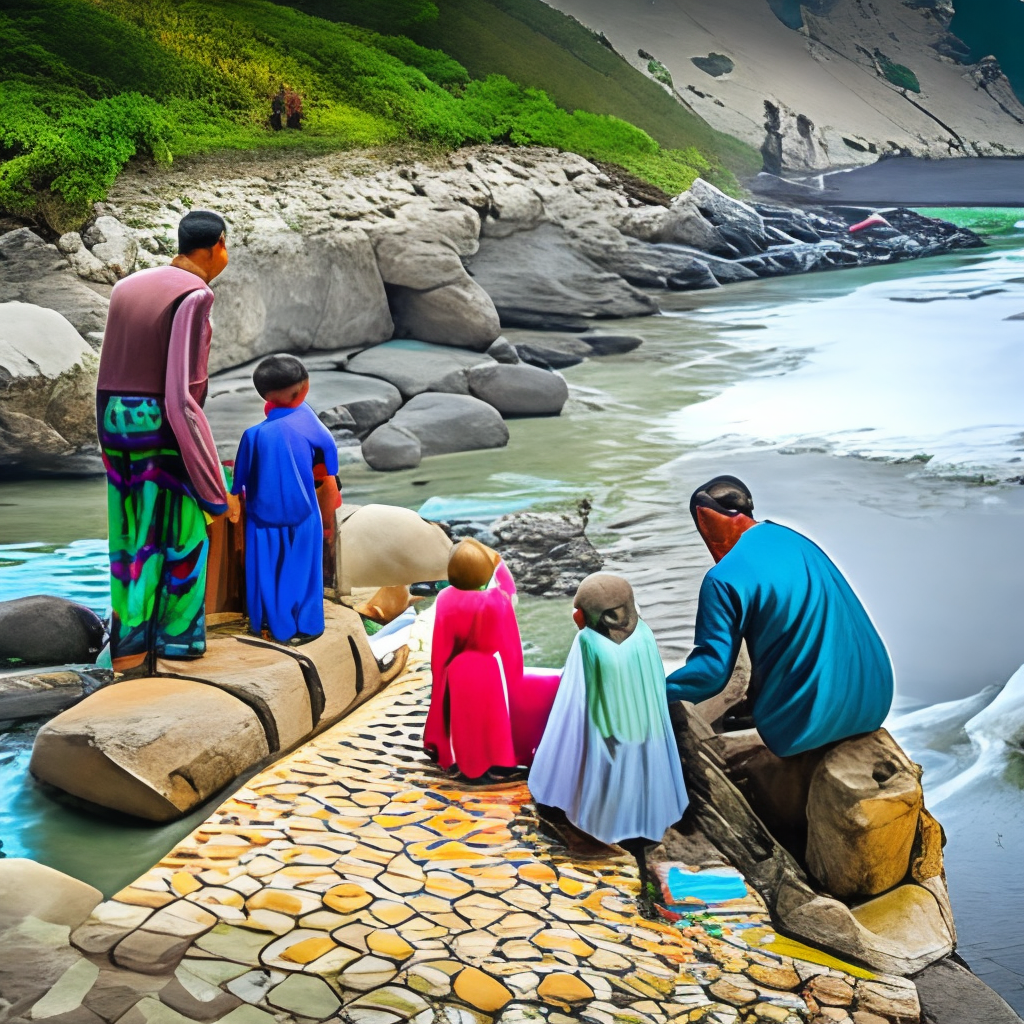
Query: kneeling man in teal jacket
{"type": "Point", "coordinates": [819, 670]}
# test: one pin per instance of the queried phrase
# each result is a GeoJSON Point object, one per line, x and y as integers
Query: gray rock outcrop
{"type": "Point", "coordinates": [432, 297]}
{"type": "Point", "coordinates": [33, 271]}
{"type": "Point", "coordinates": [538, 279]}
{"type": "Point", "coordinates": [47, 392]}
{"type": "Point", "coordinates": [292, 292]}
{"type": "Point", "coordinates": [442, 423]}
{"type": "Point", "coordinates": [113, 246]}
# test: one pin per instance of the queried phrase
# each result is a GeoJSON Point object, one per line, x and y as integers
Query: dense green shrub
{"type": "Point", "coordinates": [900, 75]}
{"type": "Point", "coordinates": [659, 72]}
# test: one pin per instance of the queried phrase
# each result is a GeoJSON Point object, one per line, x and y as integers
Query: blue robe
{"type": "Point", "coordinates": [820, 671]}
{"type": "Point", "coordinates": [284, 580]}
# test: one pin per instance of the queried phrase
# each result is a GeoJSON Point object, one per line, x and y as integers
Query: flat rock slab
{"type": "Point", "coordinates": [951, 994]}
{"type": "Point", "coordinates": [414, 367]}
{"type": "Point", "coordinates": [153, 748]}
{"type": "Point", "coordinates": [45, 692]}
{"type": "Point", "coordinates": [537, 279]}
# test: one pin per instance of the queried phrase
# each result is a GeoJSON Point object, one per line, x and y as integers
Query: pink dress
{"type": "Point", "coordinates": [484, 712]}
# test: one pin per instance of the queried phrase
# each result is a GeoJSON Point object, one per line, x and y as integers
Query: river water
{"type": "Point", "coordinates": [877, 410]}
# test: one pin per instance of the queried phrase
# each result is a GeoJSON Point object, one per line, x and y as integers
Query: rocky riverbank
{"type": "Point", "coordinates": [396, 281]}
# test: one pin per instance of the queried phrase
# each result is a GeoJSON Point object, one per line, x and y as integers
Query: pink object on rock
{"type": "Point", "coordinates": [876, 220]}
{"type": "Point", "coordinates": [483, 712]}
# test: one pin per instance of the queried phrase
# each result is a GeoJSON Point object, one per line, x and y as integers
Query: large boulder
{"type": "Point", "coordinates": [863, 807]}
{"type": "Point", "coordinates": [153, 748]}
{"type": "Point", "coordinates": [33, 271]}
{"type": "Point", "coordinates": [47, 392]}
{"type": "Point", "coordinates": [414, 367]}
{"type": "Point", "coordinates": [680, 224]}
{"type": "Point", "coordinates": [286, 291]}
{"type": "Point", "coordinates": [900, 932]}
{"type": "Point", "coordinates": [537, 278]}
{"type": "Point", "coordinates": [519, 390]}
{"type": "Point", "coordinates": [45, 630]}
{"type": "Point", "coordinates": [442, 423]}
{"type": "Point", "coordinates": [432, 297]}
{"type": "Point", "coordinates": [28, 889]}
{"type": "Point", "coordinates": [391, 448]}
{"type": "Point", "coordinates": [388, 546]}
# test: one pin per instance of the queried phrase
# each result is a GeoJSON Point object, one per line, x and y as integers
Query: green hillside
{"type": "Point", "coordinates": [88, 84]}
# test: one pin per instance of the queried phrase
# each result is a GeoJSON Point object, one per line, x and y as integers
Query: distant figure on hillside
{"type": "Point", "coordinates": [819, 670]}
{"type": "Point", "coordinates": [277, 467]}
{"type": "Point", "coordinates": [608, 760]}
{"type": "Point", "coordinates": [293, 108]}
{"type": "Point", "coordinates": [277, 110]}
{"type": "Point", "coordinates": [163, 473]}
{"type": "Point", "coordinates": [484, 714]}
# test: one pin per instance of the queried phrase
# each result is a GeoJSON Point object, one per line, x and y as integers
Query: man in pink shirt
{"type": "Point", "coordinates": [164, 478]}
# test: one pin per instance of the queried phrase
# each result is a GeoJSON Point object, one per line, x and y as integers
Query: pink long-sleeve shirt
{"type": "Point", "coordinates": [157, 342]}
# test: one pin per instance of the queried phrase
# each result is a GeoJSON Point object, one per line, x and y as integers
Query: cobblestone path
{"type": "Point", "coordinates": [354, 881]}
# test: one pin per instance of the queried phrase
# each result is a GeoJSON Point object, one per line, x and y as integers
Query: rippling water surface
{"type": "Point", "coordinates": [877, 410]}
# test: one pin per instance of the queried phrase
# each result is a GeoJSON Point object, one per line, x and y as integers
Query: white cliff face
{"type": "Point", "coordinates": [819, 92]}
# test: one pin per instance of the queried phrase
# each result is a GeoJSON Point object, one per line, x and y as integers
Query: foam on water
{"type": "Point", "coordinates": [852, 375]}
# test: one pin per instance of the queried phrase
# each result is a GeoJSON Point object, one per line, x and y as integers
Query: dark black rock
{"type": "Point", "coordinates": [45, 630]}
{"type": "Point", "coordinates": [612, 344]}
{"type": "Point", "coordinates": [548, 553]}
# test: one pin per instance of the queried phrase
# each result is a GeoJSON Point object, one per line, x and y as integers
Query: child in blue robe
{"type": "Point", "coordinates": [284, 532]}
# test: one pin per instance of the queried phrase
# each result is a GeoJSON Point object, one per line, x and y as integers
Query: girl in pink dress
{"type": "Point", "coordinates": [483, 713]}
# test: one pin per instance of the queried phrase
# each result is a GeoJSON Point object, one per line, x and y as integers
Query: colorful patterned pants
{"type": "Point", "coordinates": [157, 535]}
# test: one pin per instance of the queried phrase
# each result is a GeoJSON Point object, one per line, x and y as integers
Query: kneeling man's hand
{"type": "Point", "coordinates": [234, 511]}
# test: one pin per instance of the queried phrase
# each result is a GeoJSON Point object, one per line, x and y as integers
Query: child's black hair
{"type": "Point", "coordinates": [199, 229]}
{"type": "Point", "coordinates": [278, 371]}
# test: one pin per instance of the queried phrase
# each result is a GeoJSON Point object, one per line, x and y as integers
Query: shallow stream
{"type": "Point", "coordinates": [877, 410]}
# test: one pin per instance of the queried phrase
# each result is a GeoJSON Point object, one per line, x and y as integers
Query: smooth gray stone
{"type": "Point", "coordinates": [519, 390]}
{"type": "Point", "coordinates": [647, 265]}
{"type": "Point", "coordinates": [612, 344]}
{"type": "Point", "coordinates": [951, 994]}
{"type": "Point", "coordinates": [501, 350]}
{"type": "Point", "coordinates": [44, 630]}
{"type": "Point", "coordinates": [414, 367]}
{"type": "Point", "coordinates": [550, 350]}
{"type": "Point", "coordinates": [537, 278]}
{"type": "Point", "coordinates": [390, 448]}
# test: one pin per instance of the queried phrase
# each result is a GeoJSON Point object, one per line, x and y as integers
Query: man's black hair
{"type": "Point", "coordinates": [278, 371]}
{"type": "Point", "coordinates": [199, 229]}
{"type": "Point", "coordinates": [724, 494]}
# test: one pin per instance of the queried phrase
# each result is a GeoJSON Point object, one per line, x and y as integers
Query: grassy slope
{"type": "Point", "coordinates": [537, 46]}
{"type": "Point", "coordinates": [87, 84]}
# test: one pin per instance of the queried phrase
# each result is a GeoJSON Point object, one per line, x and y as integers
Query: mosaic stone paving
{"type": "Point", "coordinates": [353, 881]}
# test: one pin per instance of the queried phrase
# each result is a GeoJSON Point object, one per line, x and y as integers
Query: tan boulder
{"type": "Point", "coordinates": [863, 807]}
{"type": "Point", "coordinates": [154, 748]}
{"type": "Point", "coordinates": [909, 916]}
{"type": "Point", "coordinates": [28, 889]}
{"type": "Point", "coordinates": [388, 546]}
{"type": "Point", "coordinates": [262, 675]}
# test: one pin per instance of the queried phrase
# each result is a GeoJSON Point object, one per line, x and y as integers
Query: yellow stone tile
{"type": "Point", "coordinates": [389, 944]}
{"type": "Point", "coordinates": [424, 904]}
{"type": "Point", "coordinates": [390, 912]}
{"type": "Point", "coordinates": [276, 900]}
{"type": "Point", "coordinates": [537, 872]}
{"type": "Point", "coordinates": [570, 886]}
{"type": "Point", "coordinates": [308, 950]}
{"type": "Point", "coordinates": [565, 941]}
{"type": "Point", "coordinates": [183, 883]}
{"type": "Point", "coordinates": [446, 886]}
{"type": "Point", "coordinates": [564, 988]}
{"type": "Point", "coordinates": [143, 897]}
{"type": "Point", "coordinates": [216, 894]}
{"type": "Point", "coordinates": [347, 898]}
{"type": "Point", "coordinates": [481, 990]}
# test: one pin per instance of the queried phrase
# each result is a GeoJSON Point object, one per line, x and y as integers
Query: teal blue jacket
{"type": "Point", "coordinates": [820, 671]}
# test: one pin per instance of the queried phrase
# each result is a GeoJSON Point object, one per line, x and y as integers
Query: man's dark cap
{"type": "Point", "coordinates": [199, 229]}
{"type": "Point", "coordinates": [724, 494]}
{"type": "Point", "coordinates": [278, 371]}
